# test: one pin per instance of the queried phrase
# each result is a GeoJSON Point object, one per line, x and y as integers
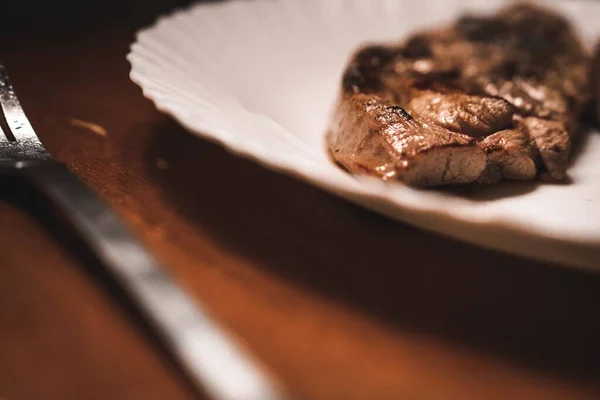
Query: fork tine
{"type": "Point", "coordinates": [17, 121]}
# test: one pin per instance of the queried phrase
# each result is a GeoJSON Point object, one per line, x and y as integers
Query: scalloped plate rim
{"type": "Point", "coordinates": [379, 202]}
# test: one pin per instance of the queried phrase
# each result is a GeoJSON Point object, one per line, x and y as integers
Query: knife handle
{"type": "Point", "coordinates": [201, 348]}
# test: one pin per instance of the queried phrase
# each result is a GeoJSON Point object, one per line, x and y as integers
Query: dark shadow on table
{"type": "Point", "coordinates": [26, 197]}
{"type": "Point", "coordinates": [540, 316]}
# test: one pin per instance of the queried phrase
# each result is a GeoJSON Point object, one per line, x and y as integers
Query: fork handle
{"type": "Point", "coordinates": [203, 350]}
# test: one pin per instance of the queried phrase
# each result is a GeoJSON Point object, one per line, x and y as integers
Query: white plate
{"type": "Point", "coordinates": [260, 78]}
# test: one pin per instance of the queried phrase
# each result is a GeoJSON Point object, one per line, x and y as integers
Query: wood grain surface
{"type": "Point", "coordinates": [339, 302]}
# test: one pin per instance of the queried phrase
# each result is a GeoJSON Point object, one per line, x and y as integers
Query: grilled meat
{"type": "Point", "coordinates": [371, 136]}
{"type": "Point", "coordinates": [551, 138]}
{"type": "Point", "coordinates": [510, 155]}
{"type": "Point", "coordinates": [512, 84]}
{"type": "Point", "coordinates": [472, 115]}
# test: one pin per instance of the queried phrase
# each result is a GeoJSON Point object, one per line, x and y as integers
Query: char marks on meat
{"type": "Point", "coordinates": [374, 137]}
{"type": "Point", "coordinates": [488, 98]}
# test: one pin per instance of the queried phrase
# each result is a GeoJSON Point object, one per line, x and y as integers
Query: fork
{"type": "Point", "coordinates": [206, 354]}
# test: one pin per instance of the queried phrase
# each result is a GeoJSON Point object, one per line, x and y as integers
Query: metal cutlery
{"type": "Point", "coordinates": [201, 348]}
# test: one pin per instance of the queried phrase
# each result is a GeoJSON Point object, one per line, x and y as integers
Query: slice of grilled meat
{"type": "Point", "coordinates": [510, 155]}
{"type": "Point", "coordinates": [552, 140]}
{"type": "Point", "coordinates": [512, 84]}
{"type": "Point", "coordinates": [370, 136]}
{"type": "Point", "coordinates": [475, 116]}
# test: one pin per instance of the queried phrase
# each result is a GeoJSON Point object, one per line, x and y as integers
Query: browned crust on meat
{"type": "Point", "coordinates": [371, 136]}
{"type": "Point", "coordinates": [553, 142]}
{"type": "Point", "coordinates": [475, 116]}
{"type": "Point", "coordinates": [497, 94]}
{"type": "Point", "coordinates": [510, 155]}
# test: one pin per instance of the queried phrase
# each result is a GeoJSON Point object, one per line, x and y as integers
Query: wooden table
{"type": "Point", "coordinates": [341, 303]}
